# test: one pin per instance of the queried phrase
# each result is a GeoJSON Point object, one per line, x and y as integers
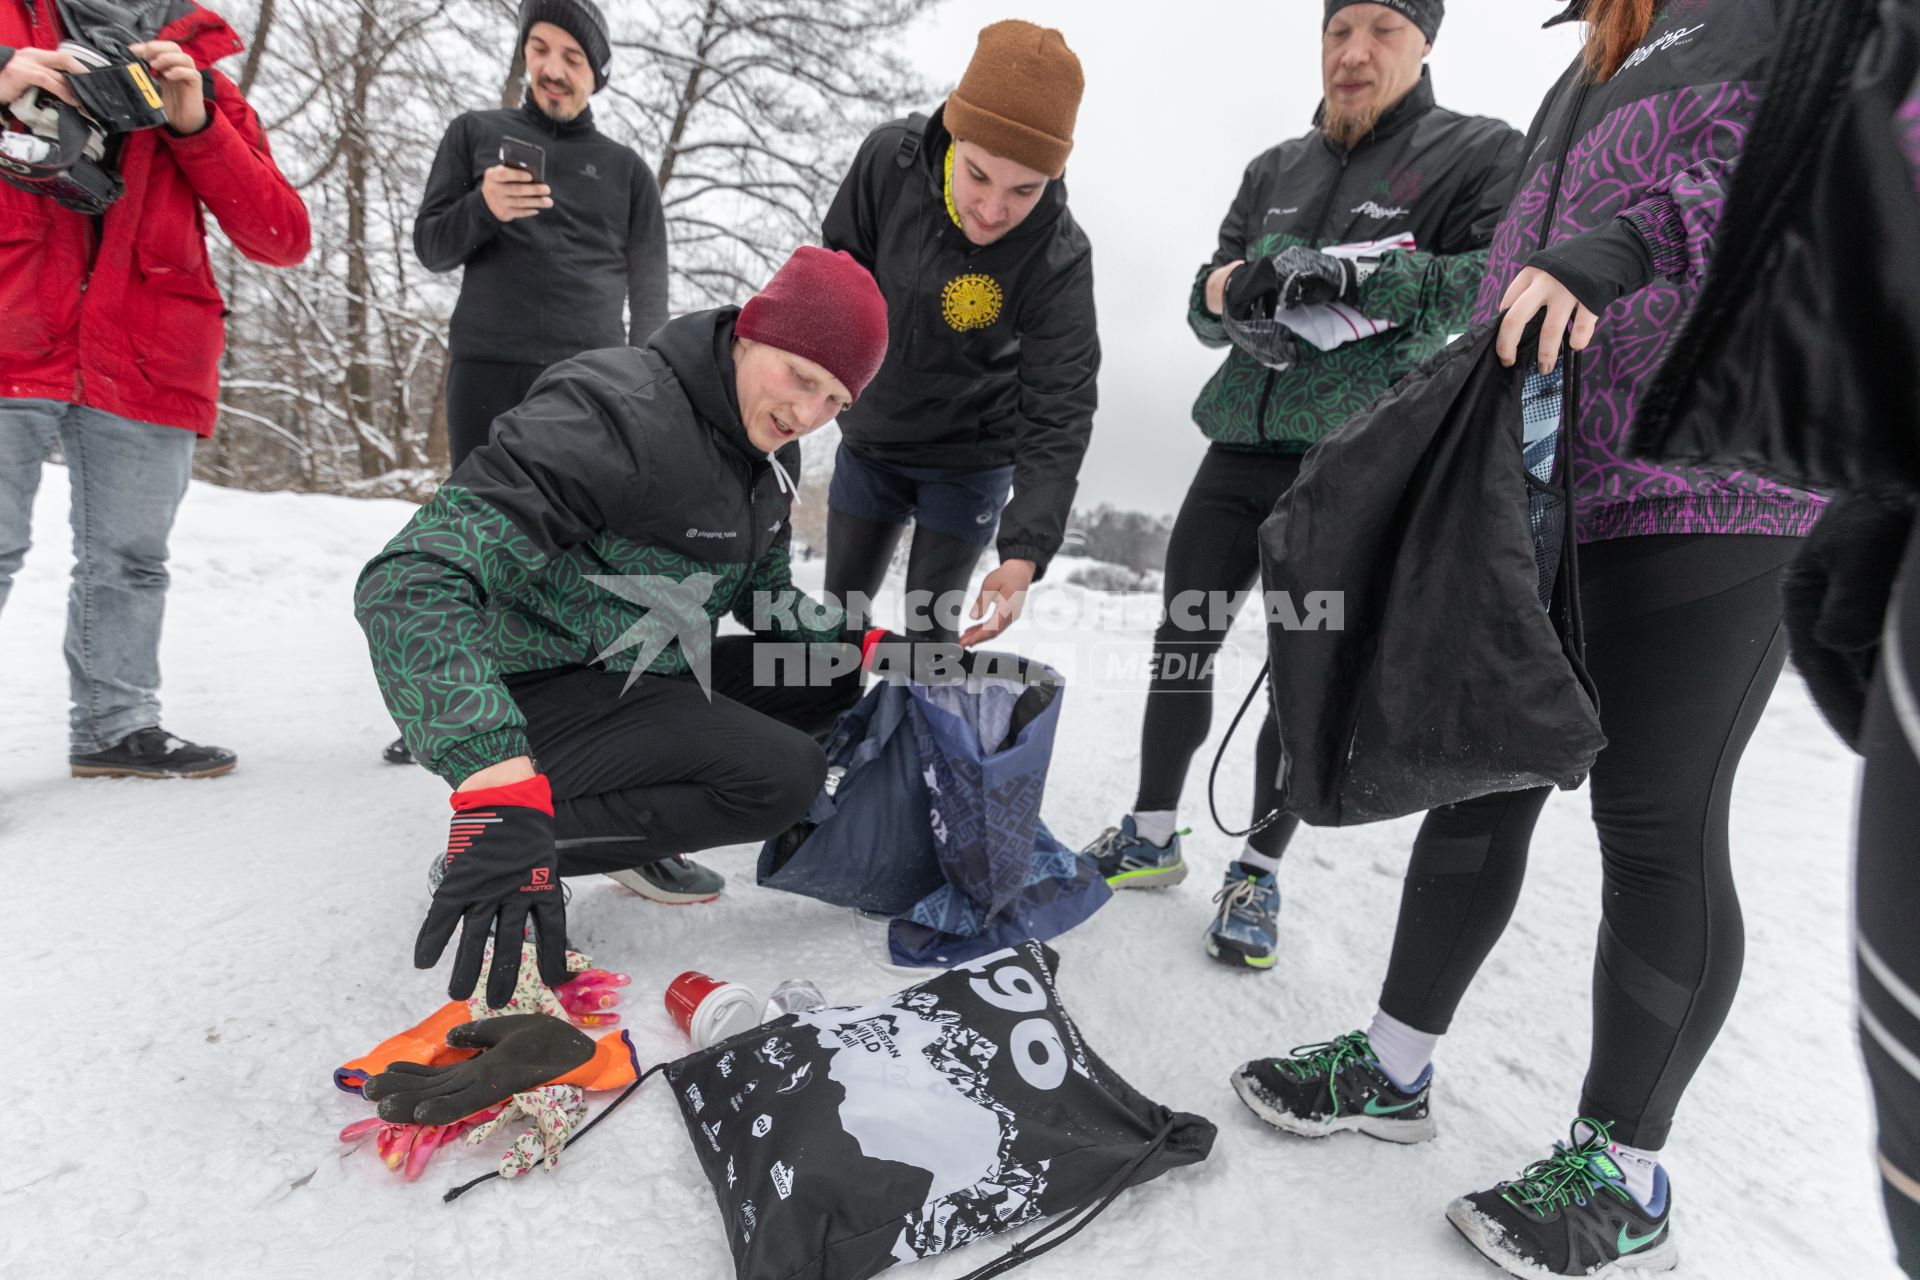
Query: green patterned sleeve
{"type": "Point", "coordinates": [1206, 326]}
{"type": "Point", "coordinates": [773, 606]}
{"type": "Point", "coordinates": [423, 605]}
{"type": "Point", "coordinates": [1430, 290]}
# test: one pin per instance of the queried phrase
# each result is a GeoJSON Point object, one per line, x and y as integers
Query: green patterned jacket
{"type": "Point", "coordinates": [625, 481]}
{"type": "Point", "coordinates": [1442, 177]}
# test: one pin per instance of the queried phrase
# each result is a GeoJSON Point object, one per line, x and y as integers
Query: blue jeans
{"type": "Point", "coordinates": [128, 478]}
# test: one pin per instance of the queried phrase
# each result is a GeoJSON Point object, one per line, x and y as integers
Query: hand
{"type": "Point", "coordinates": [1005, 593]}
{"type": "Point", "coordinates": [1532, 292]}
{"type": "Point", "coordinates": [44, 69]}
{"type": "Point", "coordinates": [181, 91]}
{"type": "Point", "coordinates": [500, 867]}
{"type": "Point", "coordinates": [517, 1053]}
{"type": "Point", "coordinates": [1253, 293]}
{"type": "Point", "coordinates": [1834, 595]}
{"type": "Point", "coordinates": [1309, 278]}
{"type": "Point", "coordinates": [512, 193]}
{"type": "Point", "coordinates": [1217, 285]}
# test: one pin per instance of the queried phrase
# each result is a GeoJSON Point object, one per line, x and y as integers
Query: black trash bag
{"type": "Point", "coordinates": [842, 1141]}
{"type": "Point", "coordinates": [1439, 676]}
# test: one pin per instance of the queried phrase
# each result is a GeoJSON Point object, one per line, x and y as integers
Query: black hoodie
{"type": "Point", "coordinates": [546, 287]}
{"type": "Point", "coordinates": [992, 351]}
{"type": "Point", "coordinates": [622, 463]}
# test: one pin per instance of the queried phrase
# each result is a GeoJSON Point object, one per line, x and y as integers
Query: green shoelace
{"type": "Point", "coordinates": [1576, 1170]}
{"type": "Point", "coordinates": [1314, 1061]}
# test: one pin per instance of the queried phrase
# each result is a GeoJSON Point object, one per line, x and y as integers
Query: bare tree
{"type": "Point", "coordinates": [334, 373]}
{"type": "Point", "coordinates": [754, 108]}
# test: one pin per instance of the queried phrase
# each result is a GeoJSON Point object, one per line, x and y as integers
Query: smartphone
{"type": "Point", "coordinates": [525, 156]}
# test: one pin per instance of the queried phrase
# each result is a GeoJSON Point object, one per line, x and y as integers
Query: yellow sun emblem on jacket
{"type": "Point", "coordinates": [971, 301]}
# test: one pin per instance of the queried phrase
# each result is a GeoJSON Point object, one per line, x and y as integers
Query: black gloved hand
{"type": "Point", "coordinates": [499, 868]}
{"type": "Point", "coordinates": [1310, 278]}
{"type": "Point", "coordinates": [518, 1052]}
{"type": "Point", "coordinates": [1253, 291]}
{"type": "Point", "coordinates": [1835, 593]}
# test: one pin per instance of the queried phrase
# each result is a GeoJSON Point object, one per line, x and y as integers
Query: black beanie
{"type": "Point", "coordinates": [580, 19]}
{"type": "Point", "coordinates": [1424, 14]}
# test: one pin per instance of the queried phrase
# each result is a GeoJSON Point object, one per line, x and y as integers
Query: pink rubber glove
{"type": "Point", "coordinates": [588, 993]}
{"type": "Point", "coordinates": [406, 1148]}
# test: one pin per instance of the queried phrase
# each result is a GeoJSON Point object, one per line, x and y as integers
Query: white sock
{"type": "Point", "coordinates": [1156, 826]}
{"type": "Point", "coordinates": [1402, 1051]}
{"type": "Point", "coordinates": [1252, 857]}
{"type": "Point", "coordinates": [1639, 1166]}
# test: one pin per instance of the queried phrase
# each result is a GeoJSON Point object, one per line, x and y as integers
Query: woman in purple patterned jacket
{"type": "Point", "coordinates": [1609, 235]}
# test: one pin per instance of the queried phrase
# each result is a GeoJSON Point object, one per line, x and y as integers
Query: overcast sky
{"type": "Point", "coordinates": [1179, 97]}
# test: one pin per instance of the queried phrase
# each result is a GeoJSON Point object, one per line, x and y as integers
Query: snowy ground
{"type": "Point", "coordinates": [187, 962]}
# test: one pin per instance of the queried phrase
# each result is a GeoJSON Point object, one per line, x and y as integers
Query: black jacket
{"type": "Point", "coordinates": [621, 464]}
{"type": "Point", "coordinates": [544, 288]}
{"type": "Point", "coordinates": [1438, 175]}
{"type": "Point", "coordinates": [992, 351]}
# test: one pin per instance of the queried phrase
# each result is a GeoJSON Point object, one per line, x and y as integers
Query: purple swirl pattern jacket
{"type": "Point", "coordinates": [1655, 145]}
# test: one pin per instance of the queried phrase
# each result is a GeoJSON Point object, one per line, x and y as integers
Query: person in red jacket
{"type": "Point", "coordinates": [111, 329]}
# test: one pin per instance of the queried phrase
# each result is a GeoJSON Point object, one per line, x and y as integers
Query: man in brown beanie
{"type": "Point", "coordinates": [989, 382]}
{"type": "Point", "coordinates": [558, 598]}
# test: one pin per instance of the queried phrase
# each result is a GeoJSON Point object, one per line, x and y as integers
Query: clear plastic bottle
{"type": "Point", "coordinates": [796, 995]}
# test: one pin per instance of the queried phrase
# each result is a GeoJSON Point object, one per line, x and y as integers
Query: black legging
{"type": "Point", "coordinates": [1684, 644]}
{"type": "Point", "coordinates": [660, 769]}
{"type": "Point", "coordinates": [478, 391]}
{"type": "Point", "coordinates": [1214, 551]}
{"type": "Point", "coordinates": [859, 551]}
{"type": "Point", "coordinates": [1887, 910]}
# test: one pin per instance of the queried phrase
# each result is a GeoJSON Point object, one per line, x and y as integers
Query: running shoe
{"type": "Point", "coordinates": [1336, 1087]}
{"type": "Point", "coordinates": [1571, 1215]}
{"type": "Point", "coordinates": [1130, 861]}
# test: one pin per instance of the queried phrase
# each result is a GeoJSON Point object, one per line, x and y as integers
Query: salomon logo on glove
{"type": "Point", "coordinates": [500, 869]}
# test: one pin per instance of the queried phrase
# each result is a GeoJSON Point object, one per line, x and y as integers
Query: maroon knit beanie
{"type": "Point", "coordinates": [824, 307]}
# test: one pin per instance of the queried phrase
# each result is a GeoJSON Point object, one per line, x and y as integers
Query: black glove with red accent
{"type": "Point", "coordinates": [500, 867]}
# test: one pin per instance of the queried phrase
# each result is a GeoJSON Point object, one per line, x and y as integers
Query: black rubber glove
{"type": "Point", "coordinates": [1253, 290]}
{"type": "Point", "coordinates": [1835, 593]}
{"type": "Point", "coordinates": [1309, 278]}
{"type": "Point", "coordinates": [500, 868]}
{"type": "Point", "coordinates": [518, 1052]}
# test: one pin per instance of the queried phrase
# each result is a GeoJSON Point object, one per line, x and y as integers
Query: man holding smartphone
{"type": "Point", "coordinates": [558, 226]}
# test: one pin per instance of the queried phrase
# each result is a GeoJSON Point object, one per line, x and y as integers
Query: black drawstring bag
{"type": "Point", "coordinates": [1439, 676]}
{"type": "Point", "coordinates": [842, 1141]}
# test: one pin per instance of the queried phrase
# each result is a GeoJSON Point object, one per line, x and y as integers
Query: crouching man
{"type": "Point", "coordinates": [557, 600]}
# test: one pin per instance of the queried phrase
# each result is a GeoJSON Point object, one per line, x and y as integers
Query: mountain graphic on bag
{"type": "Point", "coordinates": [840, 1141]}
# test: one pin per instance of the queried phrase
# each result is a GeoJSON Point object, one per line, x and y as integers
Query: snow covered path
{"type": "Point", "coordinates": [187, 962]}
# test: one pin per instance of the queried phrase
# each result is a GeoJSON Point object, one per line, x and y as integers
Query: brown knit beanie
{"type": "Point", "coordinates": [1019, 96]}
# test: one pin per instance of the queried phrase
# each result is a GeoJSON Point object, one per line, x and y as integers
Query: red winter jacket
{"type": "Point", "coordinates": [126, 317]}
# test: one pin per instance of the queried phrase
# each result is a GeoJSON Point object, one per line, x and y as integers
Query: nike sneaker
{"type": "Point", "coordinates": [1336, 1087]}
{"type": "Point", "coordinates": [1131, 861]}
{"type": "Point", "coordinates": [678, 881]}
{"type": "Point", "coordinates": [1571, 1215]}
{"type": "Point", "coordinates": [1246, 928]}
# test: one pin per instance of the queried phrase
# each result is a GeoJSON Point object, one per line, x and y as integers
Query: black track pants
{"type": "Point", "coordinates": [1685, 645]}
{"type": "Point", "coordinates": [478, 391]}
{"type": "Point", "coordinates": [659, 769]}
{"type": "Point", "coordinates": [1214, 550]}
{"type": "Point", "coordinates": [1887, 910]}
{"type": "Point", "coordinates": [859, 551]}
